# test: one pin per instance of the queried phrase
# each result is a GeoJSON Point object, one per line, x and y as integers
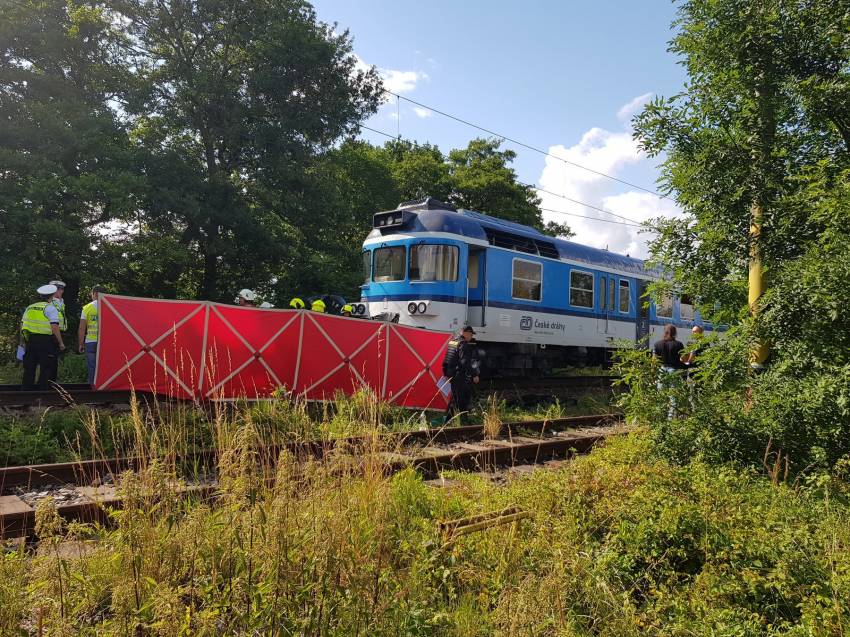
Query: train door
{"type": "Point", "coordinates": [476, 287]}
{"type": "Point", "coordinates": [606, 292]}
{"type": "Point", "coordinates": [642, 306]}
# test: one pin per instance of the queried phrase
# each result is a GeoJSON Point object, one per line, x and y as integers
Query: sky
{"type": "Point", "coordinates": [561, 76]}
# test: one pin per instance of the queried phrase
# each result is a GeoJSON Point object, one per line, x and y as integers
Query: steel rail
{"type": "Point", "coordinates": [412, 449]}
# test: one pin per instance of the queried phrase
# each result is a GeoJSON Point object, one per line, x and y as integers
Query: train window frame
{"type": "Point", "coordinates": [410, 256]}
{"type": "Point", "coordinates": [687, 301]}
{"type": "Point", "coordinates": [664, 300]}
{"type": "Point", "coordinates": [382, 279]}
{"type": "Point", "coordinates": [514, 278]}
{"type": "Point", "coordinates": [591, 289]}
{"type": "Point", "coordinates": [626, 285]}
{"type": "Point", "coordinates": [367, 263]}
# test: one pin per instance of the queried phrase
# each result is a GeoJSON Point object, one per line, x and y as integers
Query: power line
{"type": "Point", "coordinates": [524, 145]}
{"type": "Point", "coordinates": [575, 214]}
{"type": "Point", "coordinates": [581, 203]}
{"type": "Point", "coordinates": [627, 222]}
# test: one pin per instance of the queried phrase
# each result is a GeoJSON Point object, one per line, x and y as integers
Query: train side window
{"type": "Point", "coordinates": [389, 264]}
{"type": "Point", "coordinates": [664, 307]}
{"type": "Point", "coordinates": [433, 262]}
{"type": "Point", "coordinates": [581, 289]}
{"type": "Point", "coordinates": [367, 265]}
{"type": "Point", "coordinates": [610, 294]}
{"type": "Point", "coordinates": [625, 296]}
{"type": "Point", "coordinates": [686, 308]}
{"type": "Point", "coordinates": [527, 280]}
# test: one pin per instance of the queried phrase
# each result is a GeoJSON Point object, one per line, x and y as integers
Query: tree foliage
{"type": "Point", "coordinates": [766, 99]}
{"type": "Point", "coordinates": [763, 121]}
{"type": "Point", "coordinates": [190, 149]}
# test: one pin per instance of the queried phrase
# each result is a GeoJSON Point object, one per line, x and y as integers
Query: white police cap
{"type": "Point", "coordinates": [44, 290]}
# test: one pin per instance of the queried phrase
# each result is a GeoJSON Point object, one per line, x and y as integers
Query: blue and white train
{"type": "Point", "coordinates": [535, 302]}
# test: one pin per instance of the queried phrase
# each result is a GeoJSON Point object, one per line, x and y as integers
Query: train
{"type": "Point", "coordinates": [537, 303]}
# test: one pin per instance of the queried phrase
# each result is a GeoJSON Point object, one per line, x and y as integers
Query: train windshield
{"type": "Point", "coordinates": [389, 264]}
{"type": "Point", "coordinates": [433, 262]}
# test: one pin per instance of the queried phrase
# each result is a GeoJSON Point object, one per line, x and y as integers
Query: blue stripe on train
{"type": "Point", "coordinates": [523, 307]}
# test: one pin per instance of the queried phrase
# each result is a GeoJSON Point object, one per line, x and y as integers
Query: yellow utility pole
{"type": "Point", "coordinates": [758, 355]}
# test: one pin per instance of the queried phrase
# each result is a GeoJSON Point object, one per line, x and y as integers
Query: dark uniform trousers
{"type": "Point", "coordinates": [460, 366]}
{"type": "Point", "coordinates": [461, 401]}
{"type": "Point", "coordinates": [42, 353]}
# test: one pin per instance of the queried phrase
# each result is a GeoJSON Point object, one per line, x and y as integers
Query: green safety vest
{"type": "Point", "coordinates": [63, 320]}
{"type": "Point", "coordinates": [90, 315]}
{"type": "Point", "coordinates": [34, 321]}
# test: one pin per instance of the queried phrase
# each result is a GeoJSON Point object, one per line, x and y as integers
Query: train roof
{"type": "Point", "coordinates": [430, 215]}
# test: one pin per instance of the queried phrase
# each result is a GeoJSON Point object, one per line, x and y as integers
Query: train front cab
{"type": "Point", "coordinates": [417, 281]}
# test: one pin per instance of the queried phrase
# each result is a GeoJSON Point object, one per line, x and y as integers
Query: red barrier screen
{"type": "Point", "coordinates": [201, 350]}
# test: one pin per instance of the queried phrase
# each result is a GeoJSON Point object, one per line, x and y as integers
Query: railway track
{"type": "Point", "coordinates": [86, 491]}
{"type": "Point", "coordinates": [12, 397]}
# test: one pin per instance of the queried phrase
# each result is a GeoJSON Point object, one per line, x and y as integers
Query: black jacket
{"type": "Point", "coordinates": [461, 361]}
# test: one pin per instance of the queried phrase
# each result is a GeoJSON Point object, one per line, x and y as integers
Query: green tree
{"type": "Point", "coordinates": [236, 99]}
{"type": "Point", "coordinates": [483, 180]}
{"type": "Point", "coordinates": [761, 132]}
{"type": "Point", "coordinates": [67, 171]}
{"type": "Point", "coordinates": [347, 186]}
{"type": "Point", "coordinates": [766, 97]}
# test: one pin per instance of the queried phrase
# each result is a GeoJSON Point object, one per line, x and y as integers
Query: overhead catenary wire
{"type": "Point", "coordinates": [524, 145]}
{"type": "Point", "coordinates": [626, 222]}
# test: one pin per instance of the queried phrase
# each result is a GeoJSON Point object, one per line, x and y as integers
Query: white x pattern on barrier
{"type": "Point", "coordinates": [147, 348]}
{"type": "Point", "coordinates": [254, 354]}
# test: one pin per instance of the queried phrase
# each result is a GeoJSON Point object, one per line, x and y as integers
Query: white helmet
{"type": "Point", "coordinates": [266, 305]}
{"type": "Point", "coordinates": [248, 295]}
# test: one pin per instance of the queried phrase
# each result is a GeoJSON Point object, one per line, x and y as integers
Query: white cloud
{"type": "Point", "coordinates": [401, 81]}
{"type": "Point", "coordinates": [609, 153]}
{"type": "Point", "coordinates": [422, 112]}
{"type": "Point", "coordinates": [395, 80]}
{"type": "Point", "coordinates": [627, 110]}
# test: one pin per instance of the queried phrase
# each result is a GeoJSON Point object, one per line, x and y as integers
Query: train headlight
{"type": "Point", "coordinates": [422, 307]}
{"type": "Point", "coordinates": [411, 308]}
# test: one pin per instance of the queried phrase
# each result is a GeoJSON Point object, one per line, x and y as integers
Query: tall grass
{"type": "Point", "coordinates": [616, 544]}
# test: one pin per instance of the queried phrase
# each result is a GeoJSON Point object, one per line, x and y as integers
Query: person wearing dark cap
{"type": "Point", "coordinates": [461, 366]}
{"type": "Point", "coordinates": [42, 338]}
{"type": "Point", "coordinates": [88, 331]}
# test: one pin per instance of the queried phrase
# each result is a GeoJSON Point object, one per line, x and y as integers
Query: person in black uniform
{"type": "Point", "coordinates": [461, 366]}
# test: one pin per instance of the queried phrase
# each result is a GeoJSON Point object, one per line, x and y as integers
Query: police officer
{"type": "Point", "coordinates": [40, 330]}
{"type": "Point", "coordinates": [59, 302]}
{"type": "Point", "coordinates": [461, 366]}
{"type": "Point", "coordinates": [347, 310]}
{"type": "Point", "coordinates": [87, 333]}
{"type": "Point", "coordinates": [246, 298]}
{"type": "Point", "coordinates": [318, 305]}
{"type": "Point", "coordinates": [296, 303]}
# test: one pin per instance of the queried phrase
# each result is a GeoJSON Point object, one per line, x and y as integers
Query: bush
{"type": "Point", "coordinates": [793, 417]}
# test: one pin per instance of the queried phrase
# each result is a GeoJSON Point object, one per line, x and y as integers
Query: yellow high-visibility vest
{"type": "Point", "coordinates": [63, 320]}
{"type": "Point", "coordinates": [90, 315]}
{"type": "Point", "coordinates": [318, 305]}
{"type": "Point", "coordinates": [34, 320]}
{"type": "Point", "coordinates": [296, 304]}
